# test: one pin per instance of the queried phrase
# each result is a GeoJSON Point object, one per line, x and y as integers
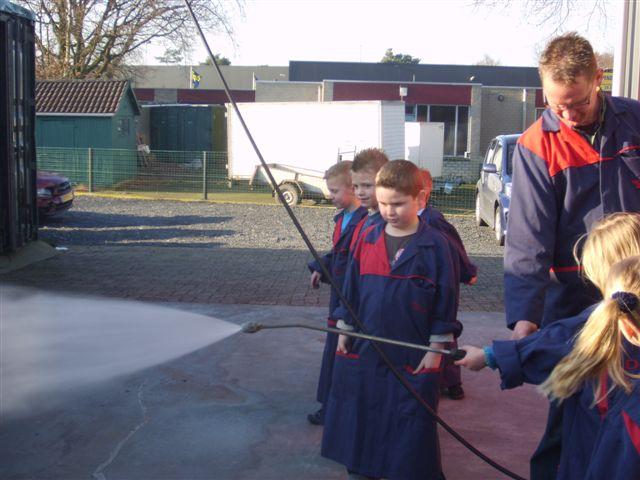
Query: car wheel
{"type": "Point", "coordinates": [497, 226]}
{"type": "Point", "coordinates": [479, 221]}
{"type": "Point", "coordinates": [290, 193]}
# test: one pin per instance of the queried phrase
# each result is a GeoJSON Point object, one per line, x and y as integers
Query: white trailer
{"type": "Point", "coordinates": [304, 139]}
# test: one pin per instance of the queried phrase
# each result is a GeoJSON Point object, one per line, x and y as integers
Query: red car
{"type": "Point", "coordinates": [55, 193]}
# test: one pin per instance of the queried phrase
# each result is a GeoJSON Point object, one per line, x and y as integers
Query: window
{"type": "Point", "coordinates": [409, 113]}
{"type": "Point", "coordinates": [456, 124]}
{"type": "Point", "coordinates": [497, 159]}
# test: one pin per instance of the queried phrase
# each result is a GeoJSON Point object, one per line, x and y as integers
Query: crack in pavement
{"type": "Point", "coordinates": [98, 473]}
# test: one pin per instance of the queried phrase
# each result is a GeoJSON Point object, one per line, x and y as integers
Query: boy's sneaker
{"type": "Point", "coordinates": [456, 392]}
{"type": "Point", "coordinates": [316, 418]}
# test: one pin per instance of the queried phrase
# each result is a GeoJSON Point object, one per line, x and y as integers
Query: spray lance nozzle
{"type": "Point", "coordinates": [455, 353]}
{"type": "Point", "coordinates": [251, 327]}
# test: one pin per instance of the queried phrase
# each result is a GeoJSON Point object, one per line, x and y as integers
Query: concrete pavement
{"type": "Point", "coordinates": [236, 410]}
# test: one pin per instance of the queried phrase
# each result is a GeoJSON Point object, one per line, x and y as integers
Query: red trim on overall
{"type": "Point", "coordinates": [561, 150]}
{"type": "Point", "coordinates": [626, 149]}
{"type": "Point", "coordinates": [337, 230]}
{"type": "Point", "coordinates": [636, 183]}
{"type": "Point", "coordinates": [356, 233]}
{"type": "Point", "coordinates": [633, 430]}
{"type": "Point", "coordinates": [437, 369]}
{"type": "Point", "coordinates": [374, 261]}
{"type": "Point", "coordinates": [603, 404]}
{"type": "Point", "coordinates": [631, 365]}
{"type": "Point", "coordinates": [332, 323]}
{"type": "Point", "coordinates": [573, 268]}
{"type": "Point", "coordinates": [352, 356]}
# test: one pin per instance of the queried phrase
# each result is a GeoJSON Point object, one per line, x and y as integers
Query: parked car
{"type": "Point", "coordinates": [55, 193]}
{"type": "Point", "coordinates": [493, 190]}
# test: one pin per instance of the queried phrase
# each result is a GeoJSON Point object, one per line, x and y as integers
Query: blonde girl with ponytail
{"type": "Point", "coordinates": [598, 368]}
{"type": "Point", "coordinates": [599, 349]}
{"type": "Point", "coordinates": [533, 358]}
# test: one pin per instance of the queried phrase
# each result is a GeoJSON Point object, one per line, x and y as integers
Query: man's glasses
{"type": "Point", "coordinates": [574, 106]}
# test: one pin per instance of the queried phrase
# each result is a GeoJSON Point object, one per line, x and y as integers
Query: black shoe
{"type": "Point", "coordinates": [316, 418]}
{"type": "Point", "coordinates": [456, 392]}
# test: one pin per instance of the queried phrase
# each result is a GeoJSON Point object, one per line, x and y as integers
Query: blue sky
{"type": "Point", "coordinates": [272, 32]}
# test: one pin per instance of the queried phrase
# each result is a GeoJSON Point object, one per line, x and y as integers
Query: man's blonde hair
{"type": "Point", "coordinates": [341, 170]}
{"type": "Point", "coordinates": [567, 57]}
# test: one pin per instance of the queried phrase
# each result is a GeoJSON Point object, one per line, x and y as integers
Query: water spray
{"type": "Point", "coordinates": [455, 353]}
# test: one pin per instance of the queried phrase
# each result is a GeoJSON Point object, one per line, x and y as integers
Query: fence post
{"type": "Point", "coordinates": [205, 193]}
{"type": "Point", "coordinates": [90, 168]}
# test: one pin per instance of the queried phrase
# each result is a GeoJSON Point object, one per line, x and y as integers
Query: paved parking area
{"type": "Point", "coordinates": [208, 253]}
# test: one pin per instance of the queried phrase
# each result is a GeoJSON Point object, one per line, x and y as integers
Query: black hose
{"type": "Point", "coordinates": [327, 274]}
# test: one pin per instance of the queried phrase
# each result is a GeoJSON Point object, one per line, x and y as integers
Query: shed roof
{"type": "Point", "coordinates": [12, 8]}
{"type": "Point", "coordinates": [82, 97]}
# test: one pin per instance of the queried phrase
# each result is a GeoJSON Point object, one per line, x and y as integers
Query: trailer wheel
{"type": "Point", "coordinates": [290, 193]}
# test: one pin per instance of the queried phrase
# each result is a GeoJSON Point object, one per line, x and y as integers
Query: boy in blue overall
{"type": "Point", "coordinates": [467, 273]}
{"type": "Point", "coordinates": [402, 285]}
{"type": "Point", "coordinates": [364, 169]}
{"type": "Point", "coordinates": [341, 193]}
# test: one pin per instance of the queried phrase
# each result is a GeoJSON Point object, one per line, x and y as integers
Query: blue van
{"type": "Point", "coordinates": [493, 190]}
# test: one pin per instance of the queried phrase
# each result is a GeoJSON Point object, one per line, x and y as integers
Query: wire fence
{"type": "Point", "coordinates": [205, 175]}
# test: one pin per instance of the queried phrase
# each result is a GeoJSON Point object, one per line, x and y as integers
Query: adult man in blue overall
{"type": "Point", "coordinates": [577, 163]}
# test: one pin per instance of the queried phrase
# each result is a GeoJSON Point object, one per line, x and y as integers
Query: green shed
{"type": "Point", "coordinates": [73, 116]}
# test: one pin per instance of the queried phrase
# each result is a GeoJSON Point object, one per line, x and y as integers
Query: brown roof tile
{"type": "Point", "coordinates": [79, 96]}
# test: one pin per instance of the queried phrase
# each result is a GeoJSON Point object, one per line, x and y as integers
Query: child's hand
{"type": "Point", "coordinates": [474, 359]}
{"type": "Point", "coordinates": [315, 279]}
{"type": "Point", "coordinates": [473, 280]}
{"type": "Point", "coordinates": [343, 344]}
{"type": "Point", "coordinates": [430, 360]}
{"type": "Point", "coordinates": [523, 328]}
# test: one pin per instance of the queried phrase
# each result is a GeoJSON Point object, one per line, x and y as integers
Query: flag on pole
{"type": "Point", "coordinates": [195, 78]}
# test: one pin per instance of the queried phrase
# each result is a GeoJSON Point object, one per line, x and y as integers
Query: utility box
{"type": "Point", "coordinates": [425, 145]}
{"type": "Point", "coordinates": [187, 127]}
{"type": "Point", "coordinates": [18, 201]}
{"type": "Point", "coordinates": [312, 135]}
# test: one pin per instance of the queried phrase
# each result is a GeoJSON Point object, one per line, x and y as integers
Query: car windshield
{"type": "Point", "coordinates": [510, 149]}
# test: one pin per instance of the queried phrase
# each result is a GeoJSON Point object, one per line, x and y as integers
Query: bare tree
{"type": "Point", "coordinates": [487, 60]}
{"type": "Point", "coordinates": [94, 38]}
{"type": "Point", "coordinates": [605, 59]}
{"type": "Point", "coordinates": [552, 13]}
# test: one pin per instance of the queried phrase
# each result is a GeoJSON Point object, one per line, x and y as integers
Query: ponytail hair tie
{"type": "Point", "coordinates": [627, 301]}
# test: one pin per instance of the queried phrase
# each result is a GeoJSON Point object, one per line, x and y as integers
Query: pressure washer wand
{"type": "Point", "coordinates": [252, 327]}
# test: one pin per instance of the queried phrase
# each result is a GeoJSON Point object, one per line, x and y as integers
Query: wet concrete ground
{"type": "Point", "coordinates": [237, 410]}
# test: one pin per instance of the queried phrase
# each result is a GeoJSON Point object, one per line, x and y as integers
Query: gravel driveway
{"type": "Point", "coordinates": [211, 253]}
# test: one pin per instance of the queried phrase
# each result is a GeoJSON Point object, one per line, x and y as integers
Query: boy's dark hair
{"type": "Point", "coordinates": [567, 57]}
{"type": "Point", "coordinates": [340, 170]}
{"type": "Point", "coordinates": [371, 159]}
{"type": "Point", "coordinates": [401, 175]}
